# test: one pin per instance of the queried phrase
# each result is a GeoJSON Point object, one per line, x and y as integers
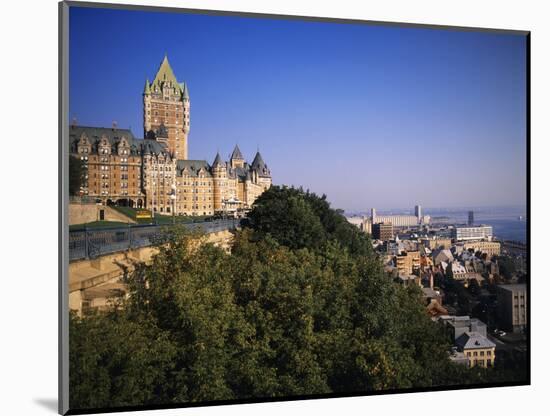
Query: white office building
{"type": "Point", "coordinates": [482, 232]}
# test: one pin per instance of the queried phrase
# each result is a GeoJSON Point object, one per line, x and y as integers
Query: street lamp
{"type": "Point", "coordinates": [173, 198]}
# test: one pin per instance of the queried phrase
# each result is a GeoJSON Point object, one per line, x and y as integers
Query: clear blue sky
{"type": "Point", "coordinates": [371, 116]}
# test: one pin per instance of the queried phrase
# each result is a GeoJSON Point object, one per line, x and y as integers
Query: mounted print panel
{"type": "Point", "coordinates": [265, 208]}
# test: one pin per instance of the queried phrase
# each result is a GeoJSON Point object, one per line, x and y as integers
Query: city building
{"type": "Point", "coordinates": [155, 172]}
{"type": "Point", "coordinates": [436, 243]}
{"type": "Point", "coordinates": [409, 280]}
{"type": "Point", "coordinates": [355, 220]}
{"type": "Point", "coordinates": [418, 212]}
{"type": "Point", "coordinates": [434, 308]}
{"type": "Point", "coordinates": [470, 218]}
{"type": "Point", "coordinates": [512, 302]}
{"type": "Point", "coordinates": [458, 325]}
{"type": "Point", "coordinates": [397, 221]}
{"type": "Point", "coordinates": [458, 357]}
{"type": "Point", "coordinates": [407, 262]}
{"type": "Point", "coordinates": [382, 231]}
{"type": "Point", "coordinates": [479, 350]}
{"type": "Point", "coordinates": [460, 272]}
{"type": "Point", "coordinates": [481, 232]}
{"type": "Point", "coordinates": [166, 111]}
{"type": "Point", "coordinates": [491, 248]}
{"type": "Point", "coordinates": [366, 226]}
{"type": "Point", "coordinates": [442, 255]}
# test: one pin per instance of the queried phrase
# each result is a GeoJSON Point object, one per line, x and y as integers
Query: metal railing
{"type": "Point", "coordinates": [92, 243]}
{"type": "Point", "coordinates": [83, 200]}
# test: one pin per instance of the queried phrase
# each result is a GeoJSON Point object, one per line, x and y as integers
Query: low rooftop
{"type": "Point", "coordinates": [473, 340]}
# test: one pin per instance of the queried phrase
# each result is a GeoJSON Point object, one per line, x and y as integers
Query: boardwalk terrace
{"type": "Point", "coordinates": [155, 172]}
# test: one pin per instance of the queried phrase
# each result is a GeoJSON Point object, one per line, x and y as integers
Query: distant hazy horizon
{"type": "Point", "coordinates": [502, 209]}
{"type": "Point", "coordinates": [368, 115]}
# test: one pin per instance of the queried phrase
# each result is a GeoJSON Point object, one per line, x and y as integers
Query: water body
{"type": "Point", "coordinates": [505, 221]}
{"type": "Point", "coordinates": [508, 229]}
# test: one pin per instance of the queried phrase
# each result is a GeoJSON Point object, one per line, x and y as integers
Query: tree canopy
{"type": "Point", "coordinates": [299, 306]}
{"type": "Point", "coordinates": [75, 175]}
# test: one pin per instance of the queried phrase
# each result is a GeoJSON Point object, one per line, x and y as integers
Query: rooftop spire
{"type": "Point", "coordinates": [258, 160]}
{"type": "Point", "coordinates": [184, 90]}
{"type": "Point", "coordinates": [147, 89]}
{"type": "Point", "coordinates": [165, 73]}
{"type": "Point", "coordinates": [259, 165]}
{"type": "Point", "coordinates": [218, 161]}
{"type": "Point", "coordinates": [237, 153]}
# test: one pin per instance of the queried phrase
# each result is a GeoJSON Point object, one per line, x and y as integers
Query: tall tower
{"type": "Point", "coordinates": [166, 111]}
{"type": "Point", "coordinates": [418, 212]}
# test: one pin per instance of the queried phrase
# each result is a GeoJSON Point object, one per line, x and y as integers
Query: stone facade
{"type": "Point", "coordinates": [155, 172]}
{"type": "Point", "coordinates": [166, 111]}
{"type": "Point", "coordinates": [512, 312]}
{"type": "Point", "coordinates": [491, 248]}
{"type": "Point", "coordinates": [407, 262]}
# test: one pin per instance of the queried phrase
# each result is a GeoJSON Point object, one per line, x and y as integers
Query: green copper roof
{"type": "Point", "coordinates": [147, 89]}
{"type": "Point", "coordinates": [184, 90]}
{"type": "Point", "coordinates": [165, 74]}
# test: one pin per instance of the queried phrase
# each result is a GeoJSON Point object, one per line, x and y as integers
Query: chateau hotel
{"type": "Point", "coordinates": [155, 172]}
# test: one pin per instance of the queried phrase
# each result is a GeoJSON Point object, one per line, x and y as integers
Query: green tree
{"type": "Point", "coordinates": [507, 266]}
{"type": "Point", "coordinates": [285, 214]}
{"type": "Point", "coordinates": [114, 361]}
{"type": "Point", "coordinates": [76, 172]}
{"type": "Point", "coordinates": [299, 306]}
{"type": "Point", "coordinates": [186, 291]}
{"type": "Point", "coordinates": [449, 271]}
{"type": "Point", "coordinates": [299, 219]}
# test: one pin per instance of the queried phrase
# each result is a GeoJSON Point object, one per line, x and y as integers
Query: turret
{"type": "Point", "coordinates": [237, 159]}
{"type": "Point", "coordinates": [260, 166]}
{"type": "Point", "coordinates": [218, 162]}
{"type": "Point", "coordinates": [219, 172]}
{"type": "Point", "coordinates": [186, 107]}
